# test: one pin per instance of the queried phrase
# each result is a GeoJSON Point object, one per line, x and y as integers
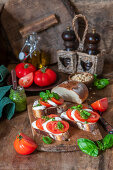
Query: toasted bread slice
{"type": "Point", "coordinates": [90, 127]}
{"type": "Point", "coordinates": [58, 137]}
{"type": "Point", "coordinates": [38, 113]}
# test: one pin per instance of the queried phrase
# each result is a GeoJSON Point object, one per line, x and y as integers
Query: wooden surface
{"type": "Point", "coordinates": [60, 146]}
{"type": "Point", "coordinates": [10, 160]}
{"type": "Point", "coordinates": [17, 14]}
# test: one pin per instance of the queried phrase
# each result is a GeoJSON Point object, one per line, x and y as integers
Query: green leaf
{"type": "Point", "coordinates": [56, 96]}
{"type": "Point", "coordinates": [86, 112]}
{"type": "Point", "coordinates": [87, 146]}
{"type": "Point", "coordinates": [95, 76]}
{"type": "Point", "coordinates": [100, 145]}
{"type": "Point", "coordinates": [37, 105]}
{"type": "Point", "coordinates": [83, 115]}
{"type": "Point", "coordinates": [47, 139]}
{"type": "Point", "coordinates": [60, 125]}
{"type": "Point", "coordinates": [108, 141]}
{"type": "Point", "coordinates": [44, 96]}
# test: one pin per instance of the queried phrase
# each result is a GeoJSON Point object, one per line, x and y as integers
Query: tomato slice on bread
{"type": "Point", "coordinates": [94, 117]}
{"type": "Point", "coordinates": [45, 103]}
{"type": "Point", "coordinates": [58, 102]}
{"type": "Point", "coordinates": [68, 113]}
{"type": "Point", "coordinates": [100, 105]}
{"type": "Point", "coordinates": [39, 123]}
{"type": "Point", "coordinates": [26, 81]}
{"type": "Point", "coordinates": [52, 126]}
{"type": "Point", "coordinates": [24, 145]}
{"type": "Point", "coordinates": [52, 116]}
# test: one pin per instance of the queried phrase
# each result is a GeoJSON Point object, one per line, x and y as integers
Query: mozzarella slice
{"type": "Point", "coordinates": [52, 103]}
{"type": "Point", "coordinates": [35, 103]}
{"type": "Point", "coordinates": [39, 107]}
{"type": "Point", "coordinates": [34, 125]}
{"type": "Point", "coordinates": [63, 115]}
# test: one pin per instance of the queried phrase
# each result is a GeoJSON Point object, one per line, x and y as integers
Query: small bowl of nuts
{"type": "Point", "coordinates": [83, 77]}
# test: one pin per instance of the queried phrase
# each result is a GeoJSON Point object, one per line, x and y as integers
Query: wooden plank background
{"type": "Point", "coordinates": [17, 13]}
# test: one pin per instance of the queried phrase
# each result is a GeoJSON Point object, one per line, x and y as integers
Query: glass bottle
{"type": "Point", "coordinates": [34, 54]}
{"type": "Point", "coordinates": [18, 96]}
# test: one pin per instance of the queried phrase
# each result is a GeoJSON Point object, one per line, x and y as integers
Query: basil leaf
{"type": "Point", "coordinates": [51, 95]}
{"type": "Point", "coordinates": [77, 107]}
{"type": "Point", "coordinates": [108, 141]}
{"type": "Point", "coordinates": [48, 92]}
{"type": "Point", "coordinates": [87, 146]}
{"type": "Point", "coordinates": [80, 106]}
{"type": "Point", "coordinates": [56, 96]}
{"type": "Point", "coordinates": [84, 116]}
{"type": "Point", "coordinates": [95, 76]}
{"type": "Point", "coordinates": [44, 96]}
{"type": "Point", "coordinates": [100, 145]}
{"type": "Point", "coordinates": [60, 125]}
{"type": "Point", "coordinates": [47, 139]}
{"type": "Point", "coordinates": [86, 112]}
{"type": "Point", "coordinates": [74, 107]}
{"type": "Point", "coordinates": [37, 105]}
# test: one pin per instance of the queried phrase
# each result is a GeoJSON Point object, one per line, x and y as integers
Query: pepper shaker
{"type": "Point", "coordinates": [92, 43]}
{"type": "Point", "coordinates": [67, 58]}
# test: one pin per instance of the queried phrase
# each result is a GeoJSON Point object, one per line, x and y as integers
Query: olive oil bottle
{"type": "Point", "coordinates": [33, 54]}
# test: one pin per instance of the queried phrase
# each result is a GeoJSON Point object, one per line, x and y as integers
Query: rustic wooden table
{"type": "Point", "coordinates": [10, 160]}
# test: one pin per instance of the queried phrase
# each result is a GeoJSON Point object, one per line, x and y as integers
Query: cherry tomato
{"type": "Point", "coordinates": [44, 77]}
{"type": "Point", "coordinates": [45, 103]}
{"type": "Point", "coordinates": [52, 127]}
{"type": "Point", "coordinates": [39, 123]}
{"type": "Point", "coordinates": [22, 69]}
{"type": "Point", "coordinates": [26, 81]}
{"type": "Point", "coordinates": [100, 105]}
{"type": "Point", "coordinates": [24, 145]}
{"type": "Point", "coordinates": [94, 117]}
{"type": "Point", "coordinates": [68, 113]}
{"type": "Point", "coordinates": [58, 102]}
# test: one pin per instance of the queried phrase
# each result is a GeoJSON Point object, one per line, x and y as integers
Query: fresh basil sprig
{"type": "Point", "coordinates": [106, 142]}
{"type": "Point", "coordinates": [48, 95]}
{"type": "Point", "coordinates": [83, 113]}
{"type": "Point", "coordinates": [87, 146]}
{"type": "Point", "coordinates": [100, 83]}
{"type": "Point", "coordinates": [90, 148]}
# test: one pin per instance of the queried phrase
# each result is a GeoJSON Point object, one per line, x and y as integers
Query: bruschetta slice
{"type": "Point", "coordinates": [52, 126]}
{"type": "Point", "coordinates": [47, 104]}
{"type": "Point", "coordinates": [81, 116]}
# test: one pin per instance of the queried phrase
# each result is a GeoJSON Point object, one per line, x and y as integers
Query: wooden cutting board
{"type": "Point", "coordinates": [60, 146]}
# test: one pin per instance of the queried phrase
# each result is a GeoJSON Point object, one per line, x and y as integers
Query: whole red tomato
{"type": "Point", "coordinates": [23, 69]}
{"type": "Point", "coordinates": [24, 145]}
{"type": "Point", "coordinates": [44, 77]}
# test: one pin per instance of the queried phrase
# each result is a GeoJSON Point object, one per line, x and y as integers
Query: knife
{"type": "Point", "coordinates": [105, 124]}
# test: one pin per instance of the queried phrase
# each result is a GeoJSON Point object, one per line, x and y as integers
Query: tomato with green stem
{"type": "Point", "coordinates": [24, 145]}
